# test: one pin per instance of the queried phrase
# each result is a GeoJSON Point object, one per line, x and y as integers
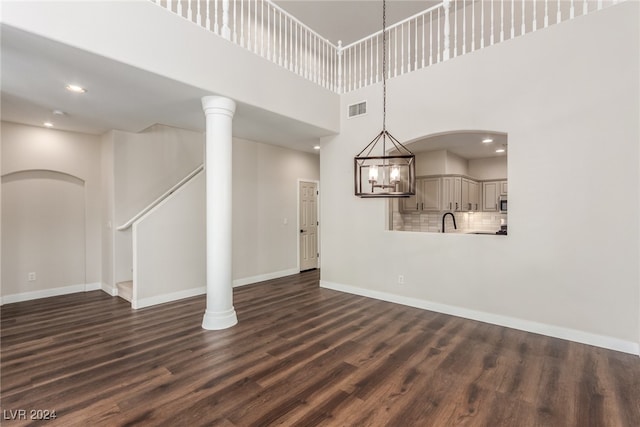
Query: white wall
{"type": "Point", "coordinates": [265, 191]}
{"type": "Point", "coordinates": [169, 248]}
{"type": "Point", "coordinates": [568, 98]}
{"type": "Point", "coordinates": [488, 168]}
{"type": "Point", "coordinates": [27, 148]}
{"type": "Point", "coordinates": [146, 165]}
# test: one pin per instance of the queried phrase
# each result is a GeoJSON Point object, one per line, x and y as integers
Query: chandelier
{"type": "Point", "coordinates": [378, 173]}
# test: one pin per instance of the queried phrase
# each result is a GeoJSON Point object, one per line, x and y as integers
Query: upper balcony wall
{"type": "Point", "coordinates": [147, 36]}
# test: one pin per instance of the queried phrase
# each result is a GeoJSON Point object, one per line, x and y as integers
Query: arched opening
{"type": "Point", "coordinates": [43, 226]}
{"type": "Point", "coordinates": [461, 185]}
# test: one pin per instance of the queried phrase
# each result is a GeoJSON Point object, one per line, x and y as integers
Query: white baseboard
{"type": "Point", "coordinates": [495, 319]}
{"type": "Point", "coordinates": [95, 286]}
{"type": "Point", "coordinates": [173, 296]}
{"type": "Point", "coordinates": [44, 293]}
{"type": "Point", "coordinates": [263, 277]}
{"type": "Point", "coordinates": [111, 290]}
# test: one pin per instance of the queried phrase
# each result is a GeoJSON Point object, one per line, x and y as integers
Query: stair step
{"type": "Point", "coordinates": [125, 290]}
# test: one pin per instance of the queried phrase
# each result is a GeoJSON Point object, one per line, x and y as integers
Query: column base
{"type": "Point", "coordinates": [215, 321]}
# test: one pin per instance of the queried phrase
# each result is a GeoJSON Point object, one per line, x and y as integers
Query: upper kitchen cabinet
{"type": "Point", "coordinates": [427, 197]}
{"type": "Point", "coordinates": [470, 195]}
{"type": "Point", "coordinates": [451, 193]}
{"type": "Point", "coordinates": [492, 193]}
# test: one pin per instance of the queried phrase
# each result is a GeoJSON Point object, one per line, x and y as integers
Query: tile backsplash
{"type": "Point", "coordinates": [432, 221]}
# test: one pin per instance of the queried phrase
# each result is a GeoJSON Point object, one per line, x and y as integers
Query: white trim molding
{"type": "Point", "coordinates": [109, 289]}
{"type": "Point", "coordinates": [164, 298]}
{"type": "Point", "coordinates": [262, 277]}
{"type": "Point", "coordinates": [46, 293]}
{"type": "Point", "coordinates": [495, 319]}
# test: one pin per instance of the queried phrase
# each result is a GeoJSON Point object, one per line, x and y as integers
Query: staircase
{"type": "Point", "coordinates": [125, 290]}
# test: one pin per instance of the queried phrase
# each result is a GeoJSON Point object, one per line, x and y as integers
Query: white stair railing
{"type": "Point", "coordinates": [442, 32]}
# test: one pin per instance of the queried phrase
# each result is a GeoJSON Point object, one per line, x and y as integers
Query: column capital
{"type": "Point", "coordinates": [218, 105]}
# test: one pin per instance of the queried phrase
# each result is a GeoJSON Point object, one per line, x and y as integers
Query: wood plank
{"type": "Point", "coordinates": [299, 356]}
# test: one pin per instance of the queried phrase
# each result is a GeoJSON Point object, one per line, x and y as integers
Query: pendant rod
{"type": "Point", "coordinates": [384, 76]}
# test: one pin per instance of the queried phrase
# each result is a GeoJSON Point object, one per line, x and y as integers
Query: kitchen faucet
{"type": "Point", "coordinates": [454, 220]}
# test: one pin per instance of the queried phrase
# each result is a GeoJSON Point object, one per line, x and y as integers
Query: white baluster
{"type": "Point", "coordinates": [446, 35]}
{"type": "Point", "coordinates": [482, 35]}
{"type": "Point", "coordinates": [535, 15]}
{"type": "Point", "coordinates": [339, 52]}
{"type": "Point", "coordinates": [395, 55]}
{"type": "Point", "coordinates": [473, 25]}
{"type": "Point", "coordinates": [455, 28]}
{"type": "Point", "coordinates": [242, 23]}
{"type": "Point", "coordinates": [189, 11]}
{"type": "Point", "coordinates": [377, 59]}
{"type": "Point", "coordinates": [502, 20]}
{"type": "Point", "coordinates": [198, 15]}
{"type": "Point", "coordinates": [389, 54]}
{"type": "Point", "coordinates": [268, 31]}
{"type": "Point", "coordinates": [431, 38]}
{"type": "Point", "coordinates": [249, 25]}
{"type": "Point", "coordinates": [360, 65]}
{"type": "Point", "coordinates": [438, 42]}
{"type": "Point", "coordinates": [401, 48]}
{"type": "Point", "coordinates": [208, 21]}
{"type": "Point", "coordinates": [523, 28]}
{"type": "Point", "coordinates": [262, 28]}
{"type": "Point", "coordinates": [280, 28]}
{"type": "Point", "coordinates": [513, 19]}
{"type": "Point", "coordinates": [491, 40]}
{"type": "Point", "coordinates": [226, 31]}
{"type": "Point", "coordinates": [235, 23]}
{"type": "Point", "coordinates": [559, 15]}
{"type": "Point", "coordinates": [546, 13]}
{"type": "Point", "coordinates": [286, 48]}
{"type": "Point", "coordinates": [464, 27]}
{"type": "Point", "coordinates": [572, 11]}
{"type": "Point", "coordinates": [415, 47]}
{"type": "Point", "coordinates": [585, 7]}
{"type": "Point", "coordinates": [296, 50]}
{"type": "Point", "coordinates": [370, 51]}
{"type": "Point", "coordinates": [169, 5]}
{"type": "Point", "coordinates": [599, 4]}
{"type": "Point", "coordinates": [179, 10]}
{"type": "Point", "coordinates": [275, 37]}
{"type": "Point", "coordinates": [216, 28]}
{"type": "Point", "coordinates": [423, 41]}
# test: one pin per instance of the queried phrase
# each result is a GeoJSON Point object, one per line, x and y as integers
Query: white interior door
{"type": "Point", "coordinates": [308, 225]}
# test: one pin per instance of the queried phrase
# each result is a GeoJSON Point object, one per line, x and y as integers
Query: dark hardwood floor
{"type": "Point", "coordinates": [302, 356]}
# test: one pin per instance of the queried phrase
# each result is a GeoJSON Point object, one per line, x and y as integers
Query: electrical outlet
{"type": "Point", "coordinates": [401, 279]}
{"type": "Point", "coordinates": [31, 277]}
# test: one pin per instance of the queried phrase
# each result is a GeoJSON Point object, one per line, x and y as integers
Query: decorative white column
{"type": "Point", "coordinates": [220, 313]}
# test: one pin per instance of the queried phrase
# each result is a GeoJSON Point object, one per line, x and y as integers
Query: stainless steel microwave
{"type": "Point", "coordinates": [502, 204]}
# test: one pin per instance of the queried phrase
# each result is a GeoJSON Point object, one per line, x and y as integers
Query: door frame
{"type": "Point", "coordinates": [317, 182]}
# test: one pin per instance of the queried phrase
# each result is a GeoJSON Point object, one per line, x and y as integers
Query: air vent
{"type": "Point", "coordinates": [358, 109]}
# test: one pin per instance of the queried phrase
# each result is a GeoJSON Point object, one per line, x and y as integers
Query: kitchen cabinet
{"type": "Point", "coordinates": [470, 195]}
{"type": "Point", "coordinates": [451, 193]}
{"type": "Point", "coordinates": [427, 198]}
{"type": "Point", "coordinates": [492, 192]}
{"type": "Point", "coordinates": [503, 188]}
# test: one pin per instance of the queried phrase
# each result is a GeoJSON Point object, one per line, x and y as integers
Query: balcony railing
{"type": "Point", "coordinates": [447, 30]}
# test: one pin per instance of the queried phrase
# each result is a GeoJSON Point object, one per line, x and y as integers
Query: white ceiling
{"type": "Point", "coordinates": [35, 71]}
{"type": "Point", "coordinates": [467, 145]}
{"type": "Point", "coordinates": [350, 20]}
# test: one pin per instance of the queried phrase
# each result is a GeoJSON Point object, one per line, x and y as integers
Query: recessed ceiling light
{"type": "Point", "coordinates": [48, 124]}
{"type": "Point", "coordinates": [76, 89]}
{"type": "Point", "coordinates": [316, 147]}
{"type": "Point", "coordinates": [500, 150]}
{"type": "Point", "coordinates": [487, 140]}
{"type": "Point", "coordinates": [58, 112]}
